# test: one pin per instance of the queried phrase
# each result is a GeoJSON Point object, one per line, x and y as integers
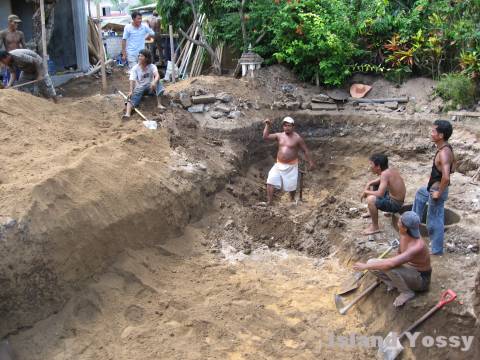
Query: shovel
{"type": "Point", "coordinates": [148, 123]}
{"type": "Point", "coordinates": [342, 308]}
{"type": "Point", "coordinates": [391, 346]}
{"type": "Point", "coordinates": [354, 282]}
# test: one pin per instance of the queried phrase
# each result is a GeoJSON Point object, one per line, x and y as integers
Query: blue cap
{"type": "Point", "coordinates": [411, 221]}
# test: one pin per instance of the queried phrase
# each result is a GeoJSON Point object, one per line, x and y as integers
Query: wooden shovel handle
{"type": "Point", "coordinates": [447, 297]}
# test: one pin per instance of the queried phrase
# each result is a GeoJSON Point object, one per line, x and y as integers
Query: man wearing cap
{"type": "Point", "coordinates": [11, 39]}
{"type": "Point", "coordinates": [31, 66]}
{"type": "Point", "coordinates": [410, 270]}
{"type": "Point", "coordinates": [385, 193]}
{"type": "Point", "coordinates": [284, 174]}
{"type": "Point", "coordinates": [436, 192]}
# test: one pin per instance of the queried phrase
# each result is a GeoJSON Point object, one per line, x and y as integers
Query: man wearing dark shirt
{"type": "Point", "coordinates": [436, 192]}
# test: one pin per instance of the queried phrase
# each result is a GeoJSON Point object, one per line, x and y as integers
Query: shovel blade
{"type": "Point", "coordinates": [390, 347]}
{"type": "Point", "coordinates": [351, 284]}
{"type": "Point", "coordinates": [339, 303]}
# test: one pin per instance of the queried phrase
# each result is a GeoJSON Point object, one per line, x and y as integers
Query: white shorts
{"type": "Point", "coordinates": [132, 60]}
{"type": "Point", "coordinates": [283, 176]}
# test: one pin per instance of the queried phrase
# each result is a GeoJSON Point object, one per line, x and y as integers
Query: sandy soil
{"type": "Point", "coordinates": [92, 266]}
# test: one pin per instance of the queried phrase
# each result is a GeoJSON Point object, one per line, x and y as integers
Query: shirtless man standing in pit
{"type": "Point", "coordinates": [385, 193]}
{"type": "Point", "coordinates": [284, 173]}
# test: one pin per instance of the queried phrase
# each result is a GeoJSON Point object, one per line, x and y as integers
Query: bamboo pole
{"type": "Point", "coordinates": [183, 71]}
{"type": "Point", "coordinates": [195, 61]}
{"type": "Point", "coordinates": [89, 9]}
{"type": "Point", "coordinates": [172, 53]}
{"type": "Point", "coordinates": [188, 49]}
{"type": "Point", "coordinates": [180, 46]}
{"type": "Point", "coordinates": [102, 51]}
{"type": "Point", "coordinates": [44, 35]}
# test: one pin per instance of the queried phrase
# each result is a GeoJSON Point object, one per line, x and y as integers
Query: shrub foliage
{"type": "Point", "coordinates": [329, 39]}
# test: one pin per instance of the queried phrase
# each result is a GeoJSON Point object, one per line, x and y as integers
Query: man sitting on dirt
{"type": "Point", "coordinates": [134, 36]}
{"type": "Point", "coordinates": [284, 173]}
{"type": "Point", "coordinates": [436, 192]}
{"type": "Point", "coordinates": [144, 80]}
{"type": "Point", "coordinates": [410, 270]}
{"type": "Point", "coordinates": [32, 69]}
{"type": "Point", "coordinates": [385, 193]}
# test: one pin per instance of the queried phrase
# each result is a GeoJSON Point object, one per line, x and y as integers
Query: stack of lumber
{"type": "Point", "coordinates": [93, 43]}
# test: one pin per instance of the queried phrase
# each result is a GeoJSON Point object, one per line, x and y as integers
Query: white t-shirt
{"type": "Point", "coordinates": [136, 38]}
{"type": "Point", "coordinates": [143, 77]}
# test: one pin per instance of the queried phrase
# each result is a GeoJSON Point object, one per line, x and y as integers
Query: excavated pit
{"type": "Point", "coordinates": [450, 219]}
{"type": "Point", "coordinates": [246, 281]}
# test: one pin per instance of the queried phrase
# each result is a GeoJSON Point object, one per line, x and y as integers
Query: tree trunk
{"type": "Point", "coordinates": [37, 26]}
{"type": "Point", "coordinates": [242, 24]}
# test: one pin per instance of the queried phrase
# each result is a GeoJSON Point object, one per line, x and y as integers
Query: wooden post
{"type": "Point", "coordinates": [172, 53]}
{"type": "Point", "coordinates": [44, 35]}
{"type": "Point", "coordinates": [102, 50]}
{"type": "Point", "coordinates": [89, 9]}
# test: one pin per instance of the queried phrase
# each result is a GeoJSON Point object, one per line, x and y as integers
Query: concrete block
{"type": "Point", "coordinates": [197, 108]}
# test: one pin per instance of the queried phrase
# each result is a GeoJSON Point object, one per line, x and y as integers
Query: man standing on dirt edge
{"type": "Point", "coordinates": [133, 40]}
{"type": "Point", "coordinates": [436, 192]}
{"type": "Point", "coordinates": [12, 39]}
{"type": "Point", "coordinates": [385, 193]}
{"type": "Point", "coordinates": [284, 174]}
{"type": "Point", "coordinates": [410, 270]}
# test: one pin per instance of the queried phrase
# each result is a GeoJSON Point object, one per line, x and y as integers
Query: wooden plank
{"type": "Point", "coordinates": [102, 50]}
{"type": "Point", "coordinates": [44, 35]}
{"type": "Point", "coordinates": [172, 52]}
{"type": "Point", "coordinates": [379, 101]}
{"type": "Point", "coordinates": [322, 106]}
{"type": "Point", "coordinates": [464, 113]}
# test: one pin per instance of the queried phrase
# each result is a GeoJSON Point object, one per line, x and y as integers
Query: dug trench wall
{"type": "Point", "coordinates": [95, 190]}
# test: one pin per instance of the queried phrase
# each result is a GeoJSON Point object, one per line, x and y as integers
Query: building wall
{"type": "Point", "coordinates": [68, 45]}
{"type": "Point", "coordinates": [5, 10]}
{"type": "Point", "coordinates": [61, 48]}
{"type": "Point", "coordinates": [106, 3]}
{"type": "Point", "coordinates": [25, 12]}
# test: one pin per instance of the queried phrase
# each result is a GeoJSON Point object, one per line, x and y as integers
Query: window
{"type": "Point", "coordinates": [106, 11]}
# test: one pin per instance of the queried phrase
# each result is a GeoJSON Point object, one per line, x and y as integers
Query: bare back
{"type": "Point", "coordinates": [395, 184]}
{"type": "Point", "coordinates": [420, 259]}
{"type": "Point", "coordinates": [12, 40]}
{"type": "Point", "coordinates": [288, 147]}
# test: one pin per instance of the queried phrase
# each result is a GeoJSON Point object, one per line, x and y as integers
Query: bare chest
{"type": "Point", "coordinates": [12, 39]}
{"type": "Point", "coordinates": [287, 141]}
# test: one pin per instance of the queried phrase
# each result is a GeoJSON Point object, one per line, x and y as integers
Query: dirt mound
{"type": "Point", "coordinates": [77, 187]}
